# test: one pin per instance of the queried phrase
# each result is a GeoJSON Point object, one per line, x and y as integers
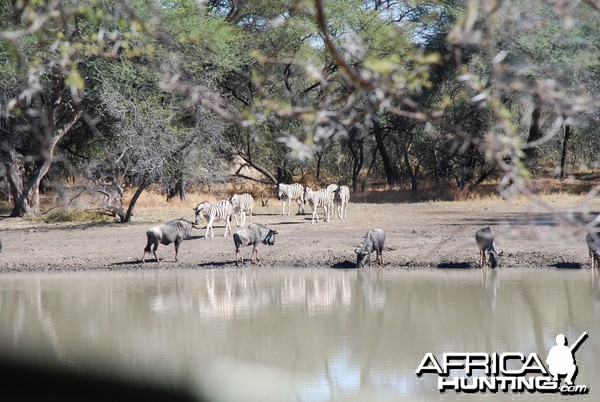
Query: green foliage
{"type": "Point", "coordinates": [172, 88]}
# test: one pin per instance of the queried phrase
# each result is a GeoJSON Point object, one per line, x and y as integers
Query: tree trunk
{"type": "Point", "coordinates": [563, 157]}
{"type": "Point", "coordinates": [134, 200]}
{"type": "Point", "coordinates": [25, 189]}
{"type": "Point", "coordinates": [357, 163]}
{"type": "Point", "coordinates": [535, 132]}
{"type": "Point", "coordinates": [15, 181]}
{"type": "Point", "coordinates": [414, 184]}
{"type": "Point", "coordinates": [391, 173]}
{"type": "Point", "coordinates": [319, 157]}
{"type": "Point", "coordinates": [363, 185]}
{"type": "Point", "coordinates": [261, 169]}
{"type": "Point", "coordinates": [14, 174]}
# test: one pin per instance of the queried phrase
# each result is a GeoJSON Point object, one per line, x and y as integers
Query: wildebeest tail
{"type": "Point", "coordinates": [237, 241]}
{"type": "Point", "coordinates": [149, 237]}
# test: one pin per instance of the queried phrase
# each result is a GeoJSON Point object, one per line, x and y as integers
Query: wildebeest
{"type": "Point", "coordinates": [374, 240]}
{"type": "Point", "coordinates": [252, 235]}
{"type": "Point", "coordinates": [593, 243]}
{"type": "Point", "coordinates": [487, 248]}
{"type": "Point", "coordinates": [174, 231]}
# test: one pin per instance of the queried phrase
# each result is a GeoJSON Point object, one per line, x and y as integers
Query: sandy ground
{"type": "Point", "coordinates": [428, 234]}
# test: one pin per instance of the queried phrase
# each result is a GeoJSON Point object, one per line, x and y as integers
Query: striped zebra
{"type": "Point", "coordinates": [319, 199]}
{"type": "Point", "coordinates": [220, 211]}
{"type": "Point", "coordinates": [332, 188]}
{"type": "Point", "coordinates": [289, 192]}
{"type": "Point", "coordinates": [242, 203]}
{"type": "Point", "coordinates": [341, 196]}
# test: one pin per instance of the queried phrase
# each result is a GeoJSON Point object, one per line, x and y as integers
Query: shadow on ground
{"type": "Point", "coordinates": [344, 265]}
{"type": "Point", "coordinates": [567, 265]}
{"type": "Point", "coordinates": [455, 265]}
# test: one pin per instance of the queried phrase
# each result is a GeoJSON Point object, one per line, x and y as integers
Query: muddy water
{"type": "Point", "coordinates": [299, 334]}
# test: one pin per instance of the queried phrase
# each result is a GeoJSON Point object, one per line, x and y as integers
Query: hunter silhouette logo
{"type": "Point", "coordinates": [561, 360]}
{"type": "Point", "coordinates": [508, 371]}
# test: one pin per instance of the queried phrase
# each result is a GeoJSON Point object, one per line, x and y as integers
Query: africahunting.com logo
{"type": "Point", "coordinates": [507, 372]}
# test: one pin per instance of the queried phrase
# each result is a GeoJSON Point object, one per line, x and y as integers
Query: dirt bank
{"type": "Point", "coordinates": [429, 234]}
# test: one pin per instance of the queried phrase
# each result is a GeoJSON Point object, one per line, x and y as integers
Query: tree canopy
{"type": "Point", "coordinates": [407, 93]}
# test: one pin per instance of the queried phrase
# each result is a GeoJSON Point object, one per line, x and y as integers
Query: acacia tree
{"type": "Point", "coordinates": [300, 74]}
{"type": "Point", "coordinates": [145, 143]}
{"type": "Point", "coordinates": [39, 96]}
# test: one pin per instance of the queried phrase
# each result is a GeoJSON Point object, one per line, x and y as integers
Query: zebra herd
{"type": "Point", "coordinates": [238, 205]}
{"type": "Point", "coordinates": [324, 198]}
{"type": "Point", "coordinates": [242, 205]}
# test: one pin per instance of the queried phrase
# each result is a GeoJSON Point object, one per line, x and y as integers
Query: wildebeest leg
{"type": "Point", "coordinates": [177, 243]}
{"type": "Point", "coordinates": [380, 256]}
{"type": "Point", "coordinates": [146, 250]}
{"type": "Point", "coordinates": [154, 250]}
{"type": "Point", "coordinates": [482, 258]}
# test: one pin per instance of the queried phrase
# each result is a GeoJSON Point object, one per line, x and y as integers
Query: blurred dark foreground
{"type": "Point", "coordinates": [24, 381]}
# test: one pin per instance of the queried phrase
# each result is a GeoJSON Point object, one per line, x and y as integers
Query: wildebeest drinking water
{"type": "Point", "coordinates": [174, 231]}
{"type": "Point", "coordinates": [593, 243]}
{"type": "Point", "coordinates": [374, 240]}
{"type": "Point", "coordinates": [252, 235]}
{"type": "Point", "coordinates": [487, 248]}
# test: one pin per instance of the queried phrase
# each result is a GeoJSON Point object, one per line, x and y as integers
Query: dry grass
{"type": "Point", "coordinates": [76, 215]}
{"type": "Point", "coordinates": [153, 206]}
{"type": "Point", "coordinates": [152, 199]}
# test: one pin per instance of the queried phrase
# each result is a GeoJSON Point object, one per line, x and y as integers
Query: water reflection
{"type": "Point", "coordinates": [301, 334]}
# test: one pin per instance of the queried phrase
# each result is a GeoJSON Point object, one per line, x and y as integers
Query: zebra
{"type": "Point", "coordinates": [242, 203]}
{"type": "Point", "coordinates": [341, 196]}
{"type": "Point", "coordinates": [220, 211]}
{"type": "Point", "coordinates": [289, 192]}
{"type": "Point", "coordinates": [320, 198]}
{"type": "Point", "coordinates": [332, 188]}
